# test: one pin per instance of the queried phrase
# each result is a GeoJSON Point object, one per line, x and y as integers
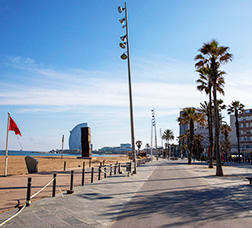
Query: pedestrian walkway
{"type": "Point", "coordinates": [94, 205]}
{"type": "Point", "coordinates": [178, 196]}
{"type": "Point", "coordinates": [233, 184]}
{"type": "Point", "coordinates": [162, 194]}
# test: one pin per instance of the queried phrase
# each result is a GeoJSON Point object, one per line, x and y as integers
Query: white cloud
{"type": "Point", "coordinates": [101, 97]}
{"type": "Point", "coordinates": [96, 88]}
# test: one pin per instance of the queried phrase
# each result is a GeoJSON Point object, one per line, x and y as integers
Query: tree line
{"type": "Point", "coordinates": [211, 82]}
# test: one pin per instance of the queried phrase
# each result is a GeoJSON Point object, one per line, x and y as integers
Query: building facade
{"type": "Point", "coordinates": [198, 129]}
{"type": "Point", "coordinates": [75, 137]}
{"type": "Point", "coordinates": [245, 130]}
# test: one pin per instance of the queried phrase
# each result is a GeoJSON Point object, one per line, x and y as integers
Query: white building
{"type": "Point", "coordinates": [75, 137]}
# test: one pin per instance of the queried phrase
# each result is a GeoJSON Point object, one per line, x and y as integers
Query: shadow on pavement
{"type": "Point", "coordinates": [188, 206]}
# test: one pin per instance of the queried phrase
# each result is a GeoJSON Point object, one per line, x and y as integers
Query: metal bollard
{"type": "Point", "coordinates": [28, 195]}
{"type": "Point", "coordinates": [105, 172]}
{"type": "Point", "coordinates": [115, 169]}
{"type": "Point", "coordinates": [71, 184]}
{"type": "Point", "coordinates": [54, 185]}
{"type": "Point", "coordinates": [92, 174]}
{"type": "Point", "coordinates": [110, 170]}
{"type": "Point", "coordinates": [119, 168]}
{"type": "Point", "coordinates": [83, 175]}
{"type": "Point", "coordinates": [99, 172]}
{"type": "Point", "coordinates": [64, 165]}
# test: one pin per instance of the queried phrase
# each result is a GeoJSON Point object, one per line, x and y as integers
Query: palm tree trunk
{"type": "Point", "coordinates": [237, 135]}
{"type": "Point", "coordinates": [219, 171]}
{"type": "Point", "coordinates": [191, 142]}
{"type": "Point", "coordinates": [168, 152]}
{"type": "Point", "coordinates": [210, 129]}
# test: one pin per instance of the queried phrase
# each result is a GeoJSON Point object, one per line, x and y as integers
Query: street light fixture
{"type": "Point", "coordinates": [124, 56]}
{"type": "Point", "coordinates": [122, 45]}
{"type": "Point", "coordinates": [125, 38]}
{"type": "Point", "coordinates": [122, 20]}
{"type": "Point", "coordinates": [120, 9]}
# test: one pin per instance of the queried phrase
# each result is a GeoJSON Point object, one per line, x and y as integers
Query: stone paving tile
{"type": "Point", "coordinates": [72, 220]}
{"type": "Point", "coordinates": [31, 220]}
{"type": "Point", "coordinates": [19, 223]}
{"type": "Point", "coordinates": [94, 205]}
{"type": "Point", "coordinates": [233, 184]}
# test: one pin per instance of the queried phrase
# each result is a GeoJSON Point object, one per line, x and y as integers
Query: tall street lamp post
{"type": "Point", "coordinates": [153, 120]}
{"type": "Point", "coordinates": [125, 56]}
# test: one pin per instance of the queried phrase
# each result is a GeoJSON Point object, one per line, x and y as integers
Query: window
{"type": "Point", "coordinates": [244, 119]}
{"type": "Point", "coordinates": [241, 132]}
{"type": "Point", "coordinates": [248, 132]}
{"type": "Point", "coordinates": [247, 124]}
{"type": "Point", "coordinates": [248, 138]}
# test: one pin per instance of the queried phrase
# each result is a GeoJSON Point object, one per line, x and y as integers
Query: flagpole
{"type": "Point", "coordinates": [7, 140]}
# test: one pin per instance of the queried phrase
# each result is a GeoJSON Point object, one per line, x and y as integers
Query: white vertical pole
{"type": "Point", "coordinates": [151, 139]}
{"type": "Point", "coordinates": [62, 146]}
{"type": "Point", "coordinates": [6, 152]}
{"type": "Point", "coordinates": [162, 144]}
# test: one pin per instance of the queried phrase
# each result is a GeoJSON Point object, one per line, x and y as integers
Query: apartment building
{"type": "Point", "coordinates": [245, 128]}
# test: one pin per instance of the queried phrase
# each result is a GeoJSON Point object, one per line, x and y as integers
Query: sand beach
{"type": "Point", "coordinates": [17, 166]}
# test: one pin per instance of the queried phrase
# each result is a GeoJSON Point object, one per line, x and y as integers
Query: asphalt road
{"type": "Point", "coordinates": [175, 197]}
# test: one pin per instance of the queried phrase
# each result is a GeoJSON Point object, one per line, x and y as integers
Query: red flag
{"type": "Point", "coordinates": [14, 127]}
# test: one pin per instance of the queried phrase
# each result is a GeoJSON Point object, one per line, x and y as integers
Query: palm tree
{"type": "Point", "coordinates": [212, 56]}
{"type": "Point", "coordinates": [225, 130]}
{"type": "Point", "coordinates": [166, 153]}
{"type": "Point", "coordinates": [221, 107]}
{"type": "Point", "coordinates": [168, 135]}
{"type": "Point", "coordinates": [197, 145]}
{"type": "Point", "coordinates": [207, 110]}
{"type": "Point", "coordinates": [190, 116]}
{"type": "Point", "coordinates": [236, 107]}
{"type": "Point", "coordinates": [182, 143]}
{"type": "Point", "coordinates": [205, 85]}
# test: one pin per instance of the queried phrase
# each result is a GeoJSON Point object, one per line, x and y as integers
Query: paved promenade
{"type": "Point", "coordinates": [162, 194]}
{"type": "Point", "coordinates": [94, 205]}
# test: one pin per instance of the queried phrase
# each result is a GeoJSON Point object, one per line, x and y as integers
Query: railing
{"type": "Point", "coordinates": [95, 173]}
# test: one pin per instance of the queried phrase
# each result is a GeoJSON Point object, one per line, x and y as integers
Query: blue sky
{"type": "Point", "coordinates": [60, 65]}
